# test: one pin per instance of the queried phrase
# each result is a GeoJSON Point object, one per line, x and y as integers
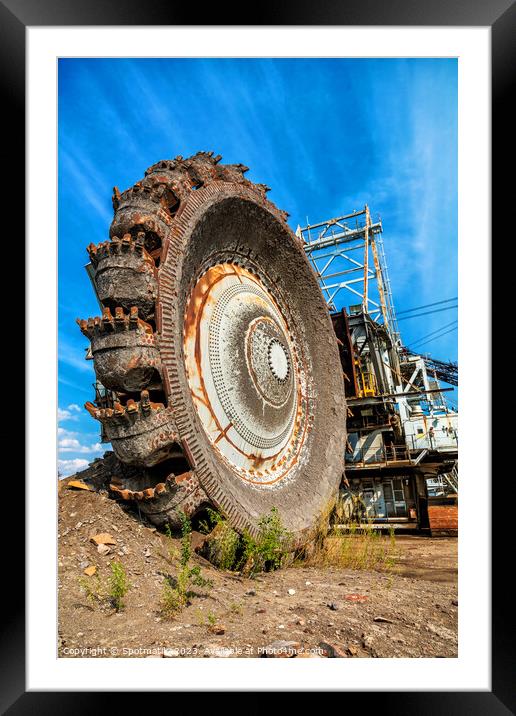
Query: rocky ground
{"type": "Point", "coordinates": [411, 611]}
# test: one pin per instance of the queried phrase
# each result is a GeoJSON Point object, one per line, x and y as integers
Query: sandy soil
{"type": "Point", "coordinates": [410, 612]}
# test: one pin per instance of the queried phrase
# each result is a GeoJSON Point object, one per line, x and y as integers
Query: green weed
{"type": "Point", "coordinates": [177, 592]}
{"type": "Point", "coordinates": [212, 618]}
{"type": "Point", "coordinates": [228, 550]}
{"type": "Point", "coordinates": [223, 545]}
{"type": "Point", "coordinates": [270, 549]}
{"type": "Point", "coordinates": [110, 591]}
{"type": "Point", "coordinates": [118, 585]}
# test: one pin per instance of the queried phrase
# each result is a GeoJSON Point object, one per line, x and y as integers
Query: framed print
{"type": "Point", "coordinates": [256, 255]}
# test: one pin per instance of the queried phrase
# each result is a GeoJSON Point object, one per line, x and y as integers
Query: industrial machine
{"type": "Point", "coordinates": [242, 366]}
{"type": "Point", "coordinates": [402, 437]}
{"type": "Point", "coordinates": [219, 379]}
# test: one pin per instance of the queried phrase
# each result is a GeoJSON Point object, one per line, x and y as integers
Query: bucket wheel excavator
{"type": "Point", "coordinates": [216, 351]}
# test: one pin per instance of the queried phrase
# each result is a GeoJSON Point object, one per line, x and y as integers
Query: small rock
{"type": "Point", "coordinates": [291, 591]}
{"type": "Point", "coordinates": [352, 650]}
{"type": "Point", "coordinates": [441, 632]}
{"type": "Point", "coordinates": [80, 633]}
{"type": "Point", "coordinates": [332, 606]}
{"type": "Point", "coordinates": [77, 485]}
{"type": "Point", "coordinates": [455, 602]}
{"type": "Point", "coordinates": [281, 626]}
{"type": "Point", "coordinates": [90, 571]}
{"type": "Point", "coordinates": [103, 538]}
{"type": "Point", "coordinates": [103, 549]}
{"type": "Point", "coordinates": [367, 641]}
{"type": "Point", "coordinates": [332, 651]}
{"type": "Point", "coordinates": [301, 622]}
{"type": "Point", "coordinates": [308, 584]}
{"type": "Point", "coordinates": [383, 620]}
{"type": "Point", "coordinates": [250, 593]}
{"type": "Point", "coordinates": [260, 611]}
{"type": "Point", "coordinates": [355, 597]}
{"type": "Point", "coordinates": [218, 629]}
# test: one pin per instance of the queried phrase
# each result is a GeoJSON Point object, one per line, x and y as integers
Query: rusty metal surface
{"type": "Point", "coordinates": [125, 273]}
{"type": "Point", "coordinates": [124, 349]}
{"type": "Point", "coordinates": [245, 374]}
{"type": "Point", "coordinates": [219, 350]}
{"type": "Point", "coordinates": [141, 432]}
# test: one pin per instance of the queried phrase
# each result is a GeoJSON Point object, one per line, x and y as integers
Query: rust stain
{"type": "Point", "coordinates": [182, 477]}
{"type": "Point", "coordinates": [193, 315]}
{"type": "Point", "coordinates": [223, 434]}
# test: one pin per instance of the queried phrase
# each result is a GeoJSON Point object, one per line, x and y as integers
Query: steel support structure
{"type": "Point", "coordinates": [335, 247]}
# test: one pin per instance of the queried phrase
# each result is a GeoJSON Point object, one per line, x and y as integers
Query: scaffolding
{"type": "Point", "coordinates": [347, 254]}
{"type": "Point", "coordinates": [401, 433]}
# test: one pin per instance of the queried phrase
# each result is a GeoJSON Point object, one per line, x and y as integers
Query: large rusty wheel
{"type": "Point", "coordinates": [217, 343]}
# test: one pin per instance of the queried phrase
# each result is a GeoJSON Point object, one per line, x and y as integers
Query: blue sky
{"type": "Point", "coordinates": [327, 135]}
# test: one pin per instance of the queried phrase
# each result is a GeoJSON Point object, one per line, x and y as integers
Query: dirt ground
{"type": "Point", "coordinates": [408, 612]}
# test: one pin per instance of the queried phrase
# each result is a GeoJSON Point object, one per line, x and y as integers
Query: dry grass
{"type": "Point", "coordinates": [357, 548]}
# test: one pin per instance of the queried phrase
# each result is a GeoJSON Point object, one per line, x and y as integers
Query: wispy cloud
{"type": "Point", "coordinates": [70, 444]}
{"type": "Point", "coordinates": [73, 443]}
{"type": "Point", "coordinates": [68, 413]}
{"type": "Point", "coordinates": [86, 183]}
{"type": "Point", "coordinates": [73, 384]}
{"type": "Point", "coordinates": [65, 415]}
{"type": "Point", "coordinates": [71, 355]}
{"type": "Point", "coordinates": [71, 466]}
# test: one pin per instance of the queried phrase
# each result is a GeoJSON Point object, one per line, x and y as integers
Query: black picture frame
{"type": "Point", "coordinates": [500, 16]}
